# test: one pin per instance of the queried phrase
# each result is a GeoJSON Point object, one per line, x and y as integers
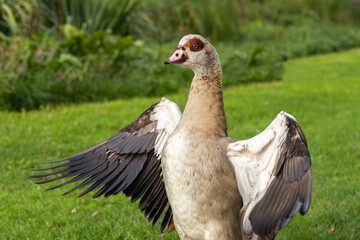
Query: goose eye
{"type": "Point", "coordinates": [195, 44]}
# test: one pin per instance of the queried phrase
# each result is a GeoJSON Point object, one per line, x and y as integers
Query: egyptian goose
{"type": "Point", "coordinates": [209, 185]}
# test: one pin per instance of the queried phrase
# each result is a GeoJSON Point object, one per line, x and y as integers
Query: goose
{"type": "Point", "coordinates": [184, 167]}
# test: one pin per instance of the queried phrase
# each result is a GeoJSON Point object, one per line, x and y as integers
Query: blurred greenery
{"type": "Point", "coordinates": [54, 51]}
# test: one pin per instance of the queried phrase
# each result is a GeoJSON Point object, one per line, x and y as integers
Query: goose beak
{"type": "Point", "coordinates": [179, 56]}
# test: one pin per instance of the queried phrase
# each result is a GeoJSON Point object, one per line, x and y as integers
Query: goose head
{"type": "Point", "coordinates": [196, 53]}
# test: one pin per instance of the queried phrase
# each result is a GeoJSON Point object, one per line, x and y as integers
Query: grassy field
{"type": "Point", "coordinates": [322, 92]}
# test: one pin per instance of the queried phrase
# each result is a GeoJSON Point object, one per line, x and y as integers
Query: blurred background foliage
{"type": "Point", "coordinates": [54, 51]}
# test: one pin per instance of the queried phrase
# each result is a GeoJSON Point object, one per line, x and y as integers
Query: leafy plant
{"type": "Point", "coordinates": [42, 70]}
{"type": "Point", "coordinates": [83, 58]}
{"type": "Point", "coordinates": [257, 66]}
{"type": "Point", "coordinates": [24, 17]}
{"type": "Point", "coordinates": [303, 38]}
{"type": "Point", "coordinates": [116, 16]}
{"type": "Point", "coordinates": [226, 20]}
{"type": "Point", "coordinates": [219, 20]}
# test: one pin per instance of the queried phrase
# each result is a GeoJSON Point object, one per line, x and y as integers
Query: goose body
{"type": "Point", "coordinates": [196, 169]}
{"type": "Point", "coordinates": [209, 185]}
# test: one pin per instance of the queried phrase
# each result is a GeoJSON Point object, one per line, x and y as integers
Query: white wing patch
{"type": "Point", "coordinates": [167, 114]}
{"type": "Point", "coordinates": [255, 159]}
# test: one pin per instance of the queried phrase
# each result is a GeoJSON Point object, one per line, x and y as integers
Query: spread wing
{"type": "Point", "coordinates": [128, 162]}
{"type": "Point", "coordinates": [274, 176]}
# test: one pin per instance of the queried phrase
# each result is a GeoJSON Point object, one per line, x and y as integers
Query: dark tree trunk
{"type": "Point", "coordinates": [58, 17]}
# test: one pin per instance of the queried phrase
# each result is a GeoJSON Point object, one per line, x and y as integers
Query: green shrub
{"type": "Point", "coordinates": [42, 70]}
{"type": "Point", "coordinates": [116, 16]}
{"type": "Point", "coordinates": [258, 66]}
{"type": "Point", "coordinates": [287, 28]}
{"type": "Point", "coordinates": [84, 61]}
{"type": "Point", "coordinates": [303, 37]}
{"type": "Point", "coordinates": [27, 17]}
{"type": "Point", "coordinates": [226, 20]}
{"type": "Point", "coordinates": [171, 19]}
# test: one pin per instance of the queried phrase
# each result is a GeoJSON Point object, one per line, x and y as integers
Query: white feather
{"type": "Point", "coordinates": [255, 159]}
{"type": "Point", "coordinates": [167, 114]}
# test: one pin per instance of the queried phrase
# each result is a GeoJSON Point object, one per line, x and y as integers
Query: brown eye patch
{"type": "Point", "coordinates": [195, 44]}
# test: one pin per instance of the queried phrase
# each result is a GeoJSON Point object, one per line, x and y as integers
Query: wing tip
{"type": "Point", "coordinates": [287, 115]}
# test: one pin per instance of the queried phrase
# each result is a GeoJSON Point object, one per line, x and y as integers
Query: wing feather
{"type": "Point", "coordinates": [127, 162]}
{"type": "Point", "coordinates": [280, 159]}
{"type": "Point", "coordinates": [167, 221]}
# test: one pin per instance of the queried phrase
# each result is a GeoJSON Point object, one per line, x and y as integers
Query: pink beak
{"type": "Point", "coordinates": [179, 56]}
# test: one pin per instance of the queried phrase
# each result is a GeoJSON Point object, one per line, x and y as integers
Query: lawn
{"type": "Point", "coordinates": [322, 92]}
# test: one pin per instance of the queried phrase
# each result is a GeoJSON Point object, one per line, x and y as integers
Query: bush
{"type": "Point", "coordinates": [287, 28]}
{"type": "Point", "coordinates": [42, 70]}
{"type": "Point", "coordinates": [26, 17]}
{"type": "Point", "coordinates": [85, 61]}
{"type": "Point", "coordinates": [226, 20]}
{"type": "Point", "coordinates": [258, 66]}
{"type": "Point", "coordinates": [303, 37]}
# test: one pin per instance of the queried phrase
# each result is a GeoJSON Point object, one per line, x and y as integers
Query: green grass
{"type": "Point", "coordinates": [322, 92]}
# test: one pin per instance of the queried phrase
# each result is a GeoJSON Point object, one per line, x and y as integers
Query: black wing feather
{"type": "Point", "coordinates": [126, 162]}
{"type": "Point", "coordinates": [290, 191]}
